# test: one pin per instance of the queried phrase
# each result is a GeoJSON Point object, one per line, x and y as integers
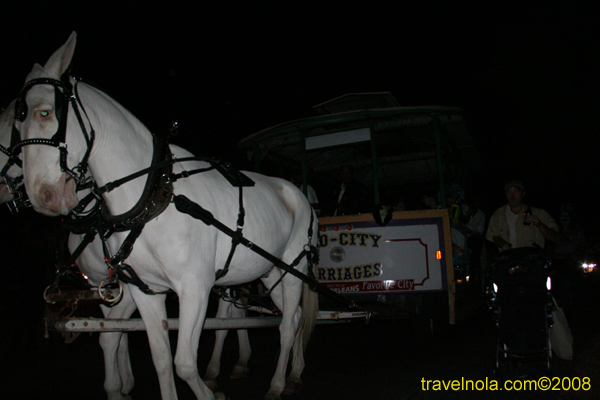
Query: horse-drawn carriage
{"type": "Point", "coordinates": [172, 232]}
{"type": "Point", "coordinates": [403, 258]}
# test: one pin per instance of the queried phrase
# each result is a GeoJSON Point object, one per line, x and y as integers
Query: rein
{"type": "Point", "coordinates": [19, 201]}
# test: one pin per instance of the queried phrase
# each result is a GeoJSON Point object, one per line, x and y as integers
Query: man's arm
{"type": "Point", "coordinates": [545, 223]}
{"type": "Point", "coordinates": [549, 234]}
{"type": "Point", "coordinates": [501, 243]}
{"type": "Point", "coordinates": [493, 233]}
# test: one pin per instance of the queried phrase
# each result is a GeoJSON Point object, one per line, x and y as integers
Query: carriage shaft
{"type": "Point", "coordinates": [136, 324]}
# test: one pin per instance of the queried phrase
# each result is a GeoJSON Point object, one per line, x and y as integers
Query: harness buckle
{"type": "Point", "coordinates": [84, 183]}
{"type": "Point", "coordinates": [18, 203]}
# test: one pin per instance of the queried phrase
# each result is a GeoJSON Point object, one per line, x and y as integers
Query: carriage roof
{"type": "Point", "coordinates": [404, 140]}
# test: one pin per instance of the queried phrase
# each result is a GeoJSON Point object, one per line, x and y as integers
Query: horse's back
{"type": "Point", "coordinates": [277, 217]}
{"type": "Point", "coordinates": [270, 199]}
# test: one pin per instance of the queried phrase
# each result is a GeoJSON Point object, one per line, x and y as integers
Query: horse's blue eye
{"type": "Point", "coordinates": [44, 113]}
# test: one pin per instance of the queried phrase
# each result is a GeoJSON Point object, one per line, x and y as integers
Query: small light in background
{"type": "Point", "coordinates": [587, 268]}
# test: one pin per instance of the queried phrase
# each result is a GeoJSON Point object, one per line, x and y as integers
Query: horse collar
{"type": "Point", "coordinates": [155, 197]}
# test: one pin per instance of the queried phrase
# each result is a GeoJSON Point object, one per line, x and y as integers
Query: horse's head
{"type": "Point", "coordinates": [41, 119]}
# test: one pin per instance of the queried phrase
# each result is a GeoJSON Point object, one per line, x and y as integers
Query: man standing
{"type": "Point", "coordinates": [351, 196]}
{"type": "Point", "coordinates": [511, 228]}
{"type": "Point", "coordinates": [296, 178]}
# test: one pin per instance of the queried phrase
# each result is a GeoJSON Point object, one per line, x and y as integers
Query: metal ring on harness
{"type": "Point", "coordinates": [46, 297]}
{"type": "Point", "coordinates": [107, 294]}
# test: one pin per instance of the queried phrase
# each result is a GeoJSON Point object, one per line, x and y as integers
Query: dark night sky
{"type": "Point", "coordinates": [525, 76]}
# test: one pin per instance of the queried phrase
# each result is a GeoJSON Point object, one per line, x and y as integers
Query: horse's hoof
{"type": "Point", "coordinates": [292, 386]}
{"type": "Point", "coordinates": [220, 396]}
{"type": "Point", "coordinates": [272, 396]}
{"type": "Point", "coordinates": [239, 372]}
{"type": "Point", "coordinates": [120, 396]}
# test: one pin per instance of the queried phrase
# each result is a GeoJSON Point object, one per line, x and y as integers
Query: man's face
{"type": "Point", "coordinates": [514, 196]}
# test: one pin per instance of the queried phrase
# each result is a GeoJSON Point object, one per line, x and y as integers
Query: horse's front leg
{"type": "Point", "coordinates": [118, 378]}
{"type": "Point", "coordinates": [241, 370]}
{"type": "Point", "coordinates": [289, 298]}
{"type": "Point", "coordinates": [154, 314]}
{"type": "Point", "coordinates": [193, 301]}
{"type": "Point", "coordinates": [214, 366]}
{"type": "Point", "coordinates": [227, 309]}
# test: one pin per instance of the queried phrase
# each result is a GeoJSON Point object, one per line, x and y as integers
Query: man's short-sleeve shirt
{"type": "Point", "coordinates": [526, 236]}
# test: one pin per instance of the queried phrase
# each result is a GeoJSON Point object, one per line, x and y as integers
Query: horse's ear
{"type": "Point", "coordinates": [36, 72]}
{"type": "Point", "coordinates": [60, 61]}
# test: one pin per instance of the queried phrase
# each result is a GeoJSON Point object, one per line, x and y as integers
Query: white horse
{"type": "Point", "coordinates": [174, 251]}
{"type": "Point", "coordinates": [118, 375]}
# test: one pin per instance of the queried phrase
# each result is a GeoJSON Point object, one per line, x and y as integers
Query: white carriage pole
{"type": "Point", "coordinates": [136, 324]}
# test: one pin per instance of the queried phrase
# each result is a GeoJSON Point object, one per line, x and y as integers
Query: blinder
{"type": "Point", "coordinates": [64, 94]}
{"type": "Point", "coordinates": [20, 109]}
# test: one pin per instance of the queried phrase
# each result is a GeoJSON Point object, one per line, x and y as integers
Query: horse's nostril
{"type": "Point", "coordinates": [49, 197]}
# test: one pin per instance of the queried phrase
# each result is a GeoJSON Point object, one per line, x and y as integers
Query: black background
{"type": "Point", "coordinates": [524, 75]}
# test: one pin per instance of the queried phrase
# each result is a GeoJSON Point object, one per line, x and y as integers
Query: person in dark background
{"type": "Point", "coordinates": [454, 196]}
{"type": "Point", "coordinates": [510, 228]}
{"type": "Point", "coordinates": [351, 197]}
{"type": "Point", "coordinates": [567, 255]}
{"type": "Point", "coordinates": [473, 219]}
{"type": "Point", "coordinates": [430, 201]}
{"type": "Point", "coordinates": [296, 178]}
{"type": "Point", "coordinates": [399, 204]}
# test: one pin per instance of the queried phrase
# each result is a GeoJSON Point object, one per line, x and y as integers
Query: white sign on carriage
{"type": "Point", "coordinates": [363, 257]}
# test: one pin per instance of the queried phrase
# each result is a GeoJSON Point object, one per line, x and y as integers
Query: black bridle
{"type": "Point", "coordinates": [65, 93]}
{"type": "Point", "coordinates": [19, 200]}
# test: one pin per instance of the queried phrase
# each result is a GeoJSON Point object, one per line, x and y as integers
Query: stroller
{"type": "Point", "coordinates": [522, 304]}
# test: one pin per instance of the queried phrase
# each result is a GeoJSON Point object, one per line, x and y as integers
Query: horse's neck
{"type": "Point", "coordinates": [123, 146]}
